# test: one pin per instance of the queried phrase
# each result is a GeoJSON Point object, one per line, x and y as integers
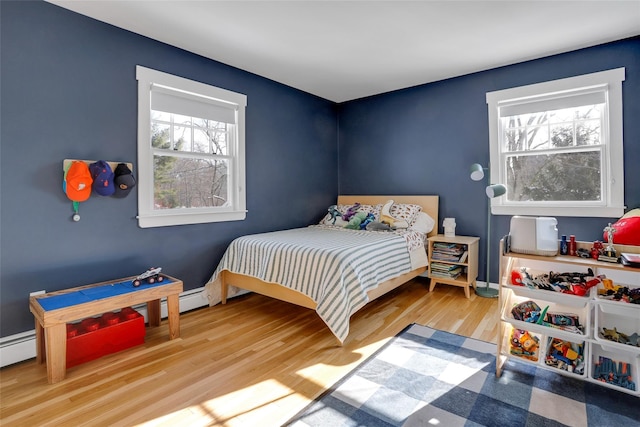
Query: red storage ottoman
{"type": "Point", "coordinates": [95, 337]}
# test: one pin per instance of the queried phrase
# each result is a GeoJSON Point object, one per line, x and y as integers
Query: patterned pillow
{"type": "Point", "coordinates": [405, 211]}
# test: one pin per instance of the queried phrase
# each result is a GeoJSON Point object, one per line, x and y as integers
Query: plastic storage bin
{"type": "Point", "coordinates": [581, 311]}
{"type": "Point", "coordinates": [615, 369]}
{"type": "Point", "coordinates": [95, 337]}
{"type": "Point", "coordinates": [523, 344]}
{"type": "Point", "coordinates": [566, 356]}
{"type": "Point", "coordinates": [620, 321]}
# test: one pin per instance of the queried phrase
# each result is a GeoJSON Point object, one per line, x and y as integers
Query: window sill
{"type": "Point", "coordinates": [168, 219]}
{"type": "Point", "coordinates": [587, 211]}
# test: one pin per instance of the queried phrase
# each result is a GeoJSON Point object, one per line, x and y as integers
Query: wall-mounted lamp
{"type": "Point", "coordinates": [495, 190]}
{"type": "Point", "coordinates": [477, 172]}
{"type": "Point", "coordinates": [492, 191]}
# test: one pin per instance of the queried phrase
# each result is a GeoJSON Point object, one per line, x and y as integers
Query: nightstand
{"type": "Point", "coordinates": [453, 261]}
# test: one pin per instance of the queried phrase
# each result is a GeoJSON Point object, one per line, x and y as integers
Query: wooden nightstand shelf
{"type": "Point", "coordinates": [458, 270]}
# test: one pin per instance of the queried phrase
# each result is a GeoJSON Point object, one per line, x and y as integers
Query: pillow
{"type": "Point", "coordinates": [423, 223]}
{"type": "Point", "coordinates": [405, 211]}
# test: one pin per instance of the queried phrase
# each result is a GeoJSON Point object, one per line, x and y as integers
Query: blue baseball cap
{"type": "Point", "coordinates": [102, 178]}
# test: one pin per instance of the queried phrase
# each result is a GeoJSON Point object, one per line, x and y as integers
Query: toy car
{"type": "Point", "coordinates": [150, 276]}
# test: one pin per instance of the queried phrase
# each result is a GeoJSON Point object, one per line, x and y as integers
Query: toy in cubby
{"type": "Point", "coordinates": [612, 292]}
{"type": "Point", "coordinates": [615, 373]}
{"type": "Point", "coordinates": [565, 355]}
{"type": "Point", "coordinates": [617, 322]}
{"type": "Point", "coordinates": [524, 344]}
{"type": "Point", "coordinates": [620, 337]}
{"type": "Point", "coordinates": [530, 312]}
{"type": "Point", "coordinates": [574, 283]}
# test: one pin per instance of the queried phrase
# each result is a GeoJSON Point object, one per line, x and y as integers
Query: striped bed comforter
{"type": "Point", "coordinates": [335, 267]}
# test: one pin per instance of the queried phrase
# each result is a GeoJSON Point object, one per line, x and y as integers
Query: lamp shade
{"type": "Point", "coordinates": [477, 173]}
{"type": "Point", "coordinates": [495, 190]}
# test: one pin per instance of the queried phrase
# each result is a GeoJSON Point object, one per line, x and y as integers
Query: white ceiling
{"type": "Point", "coordinates": [344, 50]}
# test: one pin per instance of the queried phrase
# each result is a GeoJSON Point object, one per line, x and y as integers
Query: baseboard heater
{"type": "Point", "coordinates": [20, 347]}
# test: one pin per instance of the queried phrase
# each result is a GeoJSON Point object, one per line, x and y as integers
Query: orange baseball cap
{"type": "Point", "coordinates": [78, 182]}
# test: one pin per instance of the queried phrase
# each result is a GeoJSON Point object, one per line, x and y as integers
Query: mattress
{"type": "Point", "coordinates": [333, 266]}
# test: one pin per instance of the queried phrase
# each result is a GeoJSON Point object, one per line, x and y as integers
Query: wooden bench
{"type": "Point", "coordinates": [52, 311]}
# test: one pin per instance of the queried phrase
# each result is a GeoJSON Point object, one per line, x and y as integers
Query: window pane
{"type": "Point", "coordinates": [589, 111]}
{"type": "Point", "coordinates": [220, 144]}
{"type": "Point", "coordinates": [588, 132]}
{"type": "Point", "coordinates": [538, 138]}
{"type": "Point", "coordinates": [181, 138]}
{"type": "Point", "coordinates": [210, 138]}
{"type": "Point", "coordinates": [201, 142]}
{"type": "Point", "coordinates": [562, 135]}
{"type": "Point", "coordinates": [189, 183]}
{"type": "Point", "coordinates": [554, 177]}
{"type": "Point", "coordinates": [160, 135]}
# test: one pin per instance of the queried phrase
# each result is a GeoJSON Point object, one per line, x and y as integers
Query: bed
{"type": "Point", "coordinates": [328, 268]}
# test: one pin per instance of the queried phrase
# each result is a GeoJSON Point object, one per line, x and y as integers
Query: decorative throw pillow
{"type": "Point", "coordinates": [401, 215]}
{"type": "Point", "coordinates": [405, 211]}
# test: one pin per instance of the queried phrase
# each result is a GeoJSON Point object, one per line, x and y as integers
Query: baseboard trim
{"type": "Point", "coordinates": [19, 347]}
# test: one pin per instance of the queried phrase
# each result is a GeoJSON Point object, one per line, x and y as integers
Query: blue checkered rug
{"type": "Point", "coordinates": [425, 377]}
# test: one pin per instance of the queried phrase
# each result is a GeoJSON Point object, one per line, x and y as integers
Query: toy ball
{"type": "Point", "coordinates": [516, 278]}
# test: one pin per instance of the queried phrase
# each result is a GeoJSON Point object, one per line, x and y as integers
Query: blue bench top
{"type": "Point", "coordinates": [83, 296]}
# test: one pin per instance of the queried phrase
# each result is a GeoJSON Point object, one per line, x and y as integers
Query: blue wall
{"type": "Point", "coordinates": [69, 91]}
{"type": "Point", "coordinates": [422, 140]}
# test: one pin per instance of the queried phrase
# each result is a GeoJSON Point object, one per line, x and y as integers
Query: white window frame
{"type": "Point", "coordinates": [612, 204]}
{"type": "Point", "coordinates": [147, 215]}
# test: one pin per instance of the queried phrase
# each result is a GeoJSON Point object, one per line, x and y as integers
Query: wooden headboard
{"type": "Point", "coordinates": [429, 204]}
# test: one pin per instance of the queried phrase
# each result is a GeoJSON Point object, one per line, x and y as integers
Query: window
{"type": "Point", "coordinates": [557, 147]}
{"type": "Point", "coordinates": [190, 151]}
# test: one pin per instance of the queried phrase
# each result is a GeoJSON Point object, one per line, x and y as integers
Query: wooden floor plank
{"type": "Point", "coordinates": [253, 361]}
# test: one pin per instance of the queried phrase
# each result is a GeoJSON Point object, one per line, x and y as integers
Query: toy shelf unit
{"type": "Point", "coordinates": [453, 260]}
{"type": "Point", "coordinates": [571, 315]}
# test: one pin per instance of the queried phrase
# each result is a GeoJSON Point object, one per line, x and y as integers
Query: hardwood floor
{"type": "Point", "coordinates": [253, 362]}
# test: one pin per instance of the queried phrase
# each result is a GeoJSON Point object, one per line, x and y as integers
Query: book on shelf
{"type": "Point", "coordinates": [448, 271]}
{"type": "Point", "coordinates": [451, 276]}
{"type": "Point", "coordinates": [444, 257]}
{"type": "Point", "coordinates": [444, 245]}
{"type": "Point", "coordinates": [440, 256]}
{"type": "Point", "coordinates": [607, 258]}
{"type": "Point", "coordinates": [444, 267]}
{"type": "Point", "coordinates": [632, 260]}
{"type": "Point", "coordinates": [449, 248]}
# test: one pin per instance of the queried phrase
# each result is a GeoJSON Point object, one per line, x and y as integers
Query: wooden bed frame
{"type": "Point", "coordinates": [429, 205]}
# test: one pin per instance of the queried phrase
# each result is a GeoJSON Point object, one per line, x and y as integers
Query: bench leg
{"type": "Point", "coordinates": [153, 312]}
{"type": "Point", "coordinates": [56, 349]}
{"type": "Point", "coordinates": [41, 355]}
{"type": "Point", "coordinates": [173, 309]}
